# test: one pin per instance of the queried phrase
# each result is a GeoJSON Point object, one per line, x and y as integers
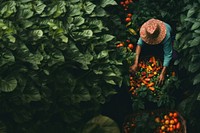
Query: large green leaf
{"type": "Point", "coordinates": [25, 1]}
{"type": "Point", "coordinates": [84, 60]}
{"type": "Point", "coordinates": [193, 67]}
{"type": "Point", "coordinates": [6, 57]}
{"type": "Point", "coordinates": [102, 54]}
{"type": "Point", "coordinates": [105, 3]}
{"type": "Point", "coordinates": [8, 84]}
{"type": "Point", "coordinates": [78, 20]}
{"type": "Point", "coordinates": [39, 7]}
{"type": "Point", "coordinates": [110, 81]}
{"type": "Point", "coordinates": [89, 7]}
{"type": "Point", "coordinates": [107, 37]}
{"type": "Point", "coordinates": [56, 58]}
{"type": "Point", "coordinates": [26, 24]}
{"type": "Point", "coordinates": [101, 124]}
{"type": "Point", "coordinates": [198, 97]}
{"type": "Point", "coordinates": [195, 42]}
{"type": "Point", "coordinates": [196, 79]}
{"type": "Point", "coordinates": [37, 34]}
{"type": "Point", "coordinates": [96, 24]}
{"type": "Point", "coordinates": [195, 57]}
{"type": "Point", "coordinates": [33, 59]}
{"type": "Point", "coordinates": [80, 94]}
{"type": "Point", "coordinates": [64, 38]}
{"type": "Point", "coordinates": [82, 35]}
{"type": "Point", "coordinates": [7, 9]}
{"type": "Point", "coordinates": [60, 10]}
{"type": "Point", "coordinates": [74, 1]}
{"type": "Point", "coordinates": [25, 13]}
{"type": "Point", "coordinates": [50, 10]}
{"type": "Point", "coordinates": [75, 10]}
{"type": "Point", "coordinates": [99, 12]}
{"type": "Point", "coordinates": [195, 25]}
{"type": "Point", "coordinates": [197, 31]}
{"type": "Point", "coordinates": [191, 12]}
{"type": "Point", "coordinates": [110, 74]}
{"type": "Point", "coordinates": [31, 94]}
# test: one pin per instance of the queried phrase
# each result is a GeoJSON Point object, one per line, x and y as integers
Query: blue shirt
{"type": "Point", "coordinates": [167, 45]}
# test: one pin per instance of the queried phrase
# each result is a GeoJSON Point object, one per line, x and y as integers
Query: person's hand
{"type": "Point", "coordinates": [161, 79]}
{"type": "Point", "coordinates": [133, 68]}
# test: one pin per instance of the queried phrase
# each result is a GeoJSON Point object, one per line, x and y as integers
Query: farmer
{"type": "Point", "coordinates": [155, 40]}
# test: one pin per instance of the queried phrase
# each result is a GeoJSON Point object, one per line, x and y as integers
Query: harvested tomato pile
{"type": "Point", "coordinates": [170, 122]}
{"type": "Point", "coordinates": [147, 76]}
{"type": "Point", "coordinates": [155, 122]}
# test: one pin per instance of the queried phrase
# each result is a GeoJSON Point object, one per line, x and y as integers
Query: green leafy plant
{"type": "Point", "coordinates": [187, 44]}
{"type": "Point", "coordinates": [57, 63]}
{"type": "Point", "coordinates": [101, 124]}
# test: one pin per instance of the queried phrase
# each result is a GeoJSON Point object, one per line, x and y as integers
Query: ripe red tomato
{"type": "Point", "coordinates": [175, 114]}
{"type": "Point", "coordinates": [130, 45]}
{"type": "Point", "coordinates": [120, 45]}
{"type": "Point", "coordinates": [178, 125]}
{"type": "Point", "coordinates": [128, 19]}
{"type": "Point", "coordinates": [128, 41]}
{"type": "Point", "coordinates": [127, 2]}
{"type": "Point", "coordinates": [129, 15]}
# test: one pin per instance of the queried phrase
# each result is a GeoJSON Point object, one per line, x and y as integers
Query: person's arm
{"type": "Point", "coordinates": [133, 68]}
{"type": "Point", "coordinates": [167, 58]}
{"type": "Point", "coordinates": [137, 54]}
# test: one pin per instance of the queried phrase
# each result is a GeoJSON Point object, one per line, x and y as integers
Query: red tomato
{"type": "Point", "coordinates": [128, 19]}
{"type": "Point", "coordinates": [126, 2]}
{"type": "Point", "coordinates": [129, 15]}
{"type": "Point", "coordinates": [130, 45]}
{"type": "Point", "coordinates": [175, 114]}
{"type": "Point", "coordinates": [120, 45]}
{"type": "Point", "coordinates": [178, 125]}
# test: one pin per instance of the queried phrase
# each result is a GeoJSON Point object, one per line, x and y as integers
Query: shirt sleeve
{"type": "Point", "coordinates": [167, 48]}
{"type": "Point", "coordinates": [140, 42]}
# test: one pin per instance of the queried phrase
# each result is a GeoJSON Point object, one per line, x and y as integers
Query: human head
{"type": "Point", "coordinates": [153, 31]}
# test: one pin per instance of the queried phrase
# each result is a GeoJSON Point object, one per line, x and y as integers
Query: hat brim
{"type": "Point", "coordinates": [157, 40]}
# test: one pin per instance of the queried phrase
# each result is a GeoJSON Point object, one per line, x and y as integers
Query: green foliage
{"type": "Point", "coordinates": [183, 16]}
{"type": "Point", "coordinates": [167, 11]}
{"type": "Point", "coordinates": [187, 44]}
{"type": "Point", "coordinates": [2, 127]}
{"type": "Point", "coordinates": [101, 124]}
{"type": "Point", "coordinates": [56, 58]}
{"type": "Point", "coordinates": [187, 41]}
{"type": "Point", "coordinates": [162, 97]}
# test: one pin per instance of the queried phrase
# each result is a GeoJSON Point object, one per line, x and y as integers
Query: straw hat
{"type": "Point", "coordinates": [153, 31]}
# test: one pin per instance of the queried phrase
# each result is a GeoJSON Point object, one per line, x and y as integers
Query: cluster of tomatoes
{"type": "Point", "coordinates": [126, 3]}
{"type": "Point", "coordinates": [128, 17]}
{"type": "Point", "coordinates": [130, 125]}
{"type": "Point", "coordinates": [168, 123]}
{"type": "Point", "coordinates": [126, 43]}
{"type": "Point", "coordinates": [146, 76]}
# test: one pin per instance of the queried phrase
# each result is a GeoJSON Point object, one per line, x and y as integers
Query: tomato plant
{"type": "Point", "coordinates": [143, 83]}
